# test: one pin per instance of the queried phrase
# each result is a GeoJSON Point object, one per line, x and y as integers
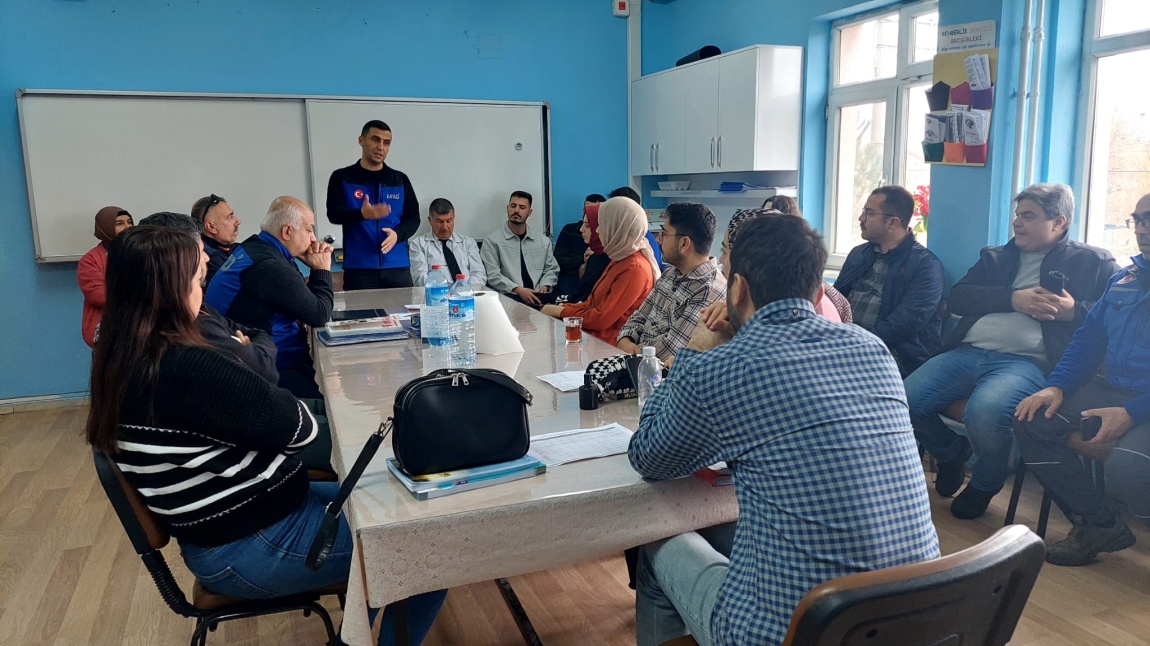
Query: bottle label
{"type": "Point", "coordinates": [461, 308]}
{"type": "Point", "coordinates": [435, 295]}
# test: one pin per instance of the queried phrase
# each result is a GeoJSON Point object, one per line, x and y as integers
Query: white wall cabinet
{"type": "Point", "coordinates": [736, 112]}
{"type": "Point", "coordinates": [657, 133]}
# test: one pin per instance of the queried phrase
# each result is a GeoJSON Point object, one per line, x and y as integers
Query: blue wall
{"type": "Point", "coordinates": [571, 53]}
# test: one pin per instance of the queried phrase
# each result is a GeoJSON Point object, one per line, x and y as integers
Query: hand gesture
{"type": "Point", "coordinates": [1034, 303]}
{"type": "Point", "coordinates": [1050, 397]}
{"type": "Point", "coordinates": [389, 241]}
{"type": "Point", "coordinates": [1063, 304]}
{"type": "Point", "coordinates": [527, 296]}
{"type": "Point", "coordinates": [241, 337]}
{"type": "Point", "coordinates": [587, 254]}
{"type": "Point", "coordinates": [318, 256]}
{"type": "Point", "coordinates": [374, 211]}
{"type": "Point", "coordinates": [1115, 422]}
{"type": "Point", "coordinates": [704, 338]}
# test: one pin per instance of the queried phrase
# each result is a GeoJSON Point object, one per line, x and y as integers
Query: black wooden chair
{"type": "Point", "coordinates": [208, 609]}
{"type": "Point", "coordinates": [975, 596]}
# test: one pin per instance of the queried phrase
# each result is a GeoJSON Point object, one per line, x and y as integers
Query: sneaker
{"type": "Point", "coordinates": [971, 503]}
{"type": "Point", "coordinates": [951, 473]}
{"type": "Point", "coordinates": [1086, 541]}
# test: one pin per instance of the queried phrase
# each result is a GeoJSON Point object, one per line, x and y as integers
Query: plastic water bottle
{"type": "Point", "coordinates": [433, 318]}
{"type": "Point", "coordinates": [461, 315]}
{"type": "Point", "coordinates": [649, 375]}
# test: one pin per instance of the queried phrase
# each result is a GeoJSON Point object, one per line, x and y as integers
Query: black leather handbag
{"type": "Point", "coordinates": [447, 420]}
{"type": "Point", "coordinates": [456, 419]}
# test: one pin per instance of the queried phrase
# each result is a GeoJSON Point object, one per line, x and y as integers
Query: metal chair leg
{"type": "Point", "coordinates": [1044, 514]}
{"type": "Point", "coordinates": [1015, 493]}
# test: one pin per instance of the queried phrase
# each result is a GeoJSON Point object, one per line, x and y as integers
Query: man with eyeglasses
{"type": "Point", "coordinates": [670, 312]}
{"type": "Point", "coordinates": [1020, 304]}
{"type": "Point", "coordinates": [220, 228]}
{"type": "Point", "coordinates": [893, 283]}
{"type": "Point", "coordinates": [1109, 407]}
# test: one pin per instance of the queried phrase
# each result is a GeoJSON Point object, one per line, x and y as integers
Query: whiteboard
{"type": "Point", "coordinates": [474, 154]}
{"type": "Point", "coordinates": [146, 152]}
{"type": "Point", "coordinates": [154, 153]}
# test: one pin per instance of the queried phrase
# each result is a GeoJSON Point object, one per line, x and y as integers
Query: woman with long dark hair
{"type": "Point", "coordinates": [209, 444]}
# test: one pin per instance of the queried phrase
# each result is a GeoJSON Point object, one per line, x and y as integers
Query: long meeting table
{"type": "Point", "coordinates": [573, 513]}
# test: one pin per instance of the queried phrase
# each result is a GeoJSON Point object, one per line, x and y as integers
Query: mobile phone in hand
{"type": "Point", "coordinates": [1053, 281]}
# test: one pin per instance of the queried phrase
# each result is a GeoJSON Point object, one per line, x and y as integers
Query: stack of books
{"type": "Point", "coordinates": [434, 485]}
{"type": "Point", "coordinates": [380, 328]}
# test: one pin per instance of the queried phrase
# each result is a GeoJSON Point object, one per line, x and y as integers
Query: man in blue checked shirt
{"type": "Point", "coordinates": [811, 417]}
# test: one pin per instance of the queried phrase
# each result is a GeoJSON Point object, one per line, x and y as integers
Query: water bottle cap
{"type": "Point", "coordinates": [648, 351]}
{"type": "Point", "coordinates": [460, 276]}
{"type": "Point", "coordinates": [437, 266]}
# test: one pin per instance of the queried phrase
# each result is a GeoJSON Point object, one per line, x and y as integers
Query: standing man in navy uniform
{"type": "Point", "coordinates": [377, 208]}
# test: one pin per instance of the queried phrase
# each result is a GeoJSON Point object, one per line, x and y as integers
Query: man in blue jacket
{"type": "Point", "coordinates": [893, 283]}
{"type": "Point", "coordinates": [1017, 318]}
{"type": "Point", "coordinates": [377, 208]}
{"type": "Point", "coordinates": [260, 286]}
{"type": "Point", "coordinates": [1113, 407]}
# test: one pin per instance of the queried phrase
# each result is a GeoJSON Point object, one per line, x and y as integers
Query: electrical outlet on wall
{"type": "Point", "coordinates": [621, 7]}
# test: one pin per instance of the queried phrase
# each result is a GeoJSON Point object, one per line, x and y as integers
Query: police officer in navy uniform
{"type": "Point", "coordinates": [377, 208]}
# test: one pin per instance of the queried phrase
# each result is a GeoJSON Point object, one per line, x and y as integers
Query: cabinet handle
{"type": "Point", "coordinates": [651, 154]}
{"type": "Point", "coordinates": [720, 148]}
{"type": "Point", "coordinates": [712, 152]}
{"type": "Point", "coordinates": [657, 146]}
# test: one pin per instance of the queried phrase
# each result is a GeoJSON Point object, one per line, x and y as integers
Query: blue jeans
{"type": "Point", "coordinates": [677, 585]}
{"type": "Point", "coordinates": [270, 563]}
{"type": "Point", "coordinates": [994, 383]}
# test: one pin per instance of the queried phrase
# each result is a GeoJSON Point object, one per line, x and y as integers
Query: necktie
{"type": "Point", "coordinates": [449, 258]}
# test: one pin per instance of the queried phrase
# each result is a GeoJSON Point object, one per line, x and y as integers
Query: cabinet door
{"type": "Point", "coordinates": [701, 116]}
{"type": "Point", "coordinates": [738, 104]}
{"type": "Point", "coordinates": [643, 126]}
{"type": "Point", "coordinates": [760, 109]}
{"type": "Point", "coordinates": [669, 110]}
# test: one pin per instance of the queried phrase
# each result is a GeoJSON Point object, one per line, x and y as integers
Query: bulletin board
{"type": "Point", "coordinates": [957, 128]}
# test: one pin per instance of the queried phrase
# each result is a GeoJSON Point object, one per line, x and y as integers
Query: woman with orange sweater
{"type": "Point", "coordinates": [628, 278]}
{"type": "Point", "coordinates": [110, 222]}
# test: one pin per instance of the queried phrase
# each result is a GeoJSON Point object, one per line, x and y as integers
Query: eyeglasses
{"type": "Point", "coordinates": [663, 234]}
{"type": "Point", "coordinates": [867, 214]}
{"type": "Point", "coordinates": [1135, 220]}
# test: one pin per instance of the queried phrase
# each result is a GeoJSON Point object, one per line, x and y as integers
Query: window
{"type": "Point", "coordinates": [880, 69]}
{"type": "Point", "coordinates": [1118, 129]}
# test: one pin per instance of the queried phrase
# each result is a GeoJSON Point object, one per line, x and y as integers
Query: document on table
{"type": "Point", "coordinates": [580, 444]}
{"type": "Point", "coordinates": [565, 381]}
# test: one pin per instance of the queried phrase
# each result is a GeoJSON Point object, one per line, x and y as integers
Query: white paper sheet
{"type": "Point", "coordinates": [580, 444]}
{"type": "Point", "coordinates": [565, 381]}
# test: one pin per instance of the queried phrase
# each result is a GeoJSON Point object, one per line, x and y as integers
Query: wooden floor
{"type": "Point", "coordinates": [69, 576]}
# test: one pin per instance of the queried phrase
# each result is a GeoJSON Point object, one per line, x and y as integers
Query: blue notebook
{"type": "Point", "coordinates": [435, 485]}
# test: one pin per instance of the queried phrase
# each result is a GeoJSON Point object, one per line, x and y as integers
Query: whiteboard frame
{"type": "Point", "coordinates": [544, 106]}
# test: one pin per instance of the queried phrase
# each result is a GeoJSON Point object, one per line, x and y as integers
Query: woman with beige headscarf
{"type": "Point", "coordinates": [110, 221]}
{"type": "Point", "coordinates": [628, 278]}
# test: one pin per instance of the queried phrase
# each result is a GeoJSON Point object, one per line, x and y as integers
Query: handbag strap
{"type": "Point", "coordinates": [329, 527]}
{"type": "Point", "coordinates": [495, 377]}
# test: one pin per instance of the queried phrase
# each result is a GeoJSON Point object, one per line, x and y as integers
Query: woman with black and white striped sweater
{"type": "Point", "coordinates": [208, 443]}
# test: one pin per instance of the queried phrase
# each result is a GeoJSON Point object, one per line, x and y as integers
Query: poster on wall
{"type": "Point", "coordinates": [957, 128]}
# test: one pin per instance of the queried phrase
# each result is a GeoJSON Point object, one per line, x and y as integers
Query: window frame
{"type": "Point", "coordinates": [892, 90]}
{"type": "Point", "coordinates": [1095, 47]}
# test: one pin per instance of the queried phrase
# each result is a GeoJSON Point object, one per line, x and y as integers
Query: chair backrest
{"type": "Point", "coordinates": [144, 531]}
{"type": "Point", "coordinates": [148, 537]}
{"type": "Point", "coordinates": [975, 596]}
